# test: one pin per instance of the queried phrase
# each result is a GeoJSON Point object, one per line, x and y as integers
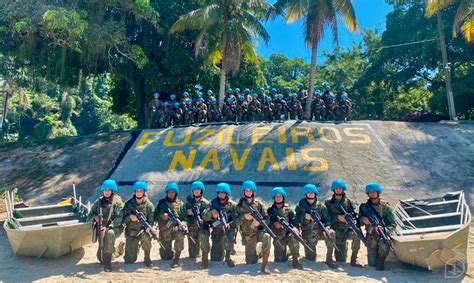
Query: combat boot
{"type": "Point", "coordinates": [265, 269]}
{"type": "Point", "coordinates": [296, 264]}
{"type": "Point", "coordinates": [228, 260]}
{"type": "Point", "coordinates": [175, 262]}
{"type": "Point", "coordinates": [204, 261]}
{"type": "Point", "coordinates": [147, 261]}
{"type": "Point", "coordinates": [380, 264]}
{"type": "Point", "coordinates": [107, 263]}
{"type": "Point", "coordinates": [354, 260]}
{"type": "Point", "coordinates": [330, 261]}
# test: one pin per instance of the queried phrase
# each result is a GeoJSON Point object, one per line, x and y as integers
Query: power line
{"type": "Point", "coordinates": [408, 43]}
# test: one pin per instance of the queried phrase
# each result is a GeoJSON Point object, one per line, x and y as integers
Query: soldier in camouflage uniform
{"type": "Point", "coordinates": [111, 205]}
{"type": "Point", "coordinates": [198, 231]}
{"type": "Point", "coordinates": [135, 235]}
{"type": "Point", "coordinates": [156, 110]}
{"type": "Point", "coordinates": [282, 209]}
{"type": "Point", "coordinates": [168, 231]}
{"type": "Point", "coordinates": [255, 108]}
{"type": "Point", "coordinates": [377, 250]}
{"type": "Point", "coordinates": [310, 231]}
{"type": "Point", "coordinates": [339, 224]}
{"type": "Point", "coordinates": [220, 241]}
{"type": "Point", "coordinates": [250, 229]}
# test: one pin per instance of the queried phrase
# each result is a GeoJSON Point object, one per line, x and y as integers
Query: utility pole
{"type": "Point", "coordinates": [447, 71]}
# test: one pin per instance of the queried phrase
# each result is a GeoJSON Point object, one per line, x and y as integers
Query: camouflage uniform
{"type": "Point", "coordinates": [134, 232]}
{"type": "Point", "coordinates": [200, 237]}
{"type": "Point", "coordinates": [170, 233]}
{"type": "Point", "coordinates": [156, 110]}
{"type": "Point", "coordinates": [342, 234]}
{"type": "Point", "coordinates": [218, 236]}
{"type": "Point", "coordinates": [283, 235]}
{"type": "Point", "coordinates": [111, 212]}
{"type": "Point", "coordinates": [311, 233]}
{"type": "Point", "coordinates": [251, 234]}
{"type": "Point", "coordinates": [377, 250]}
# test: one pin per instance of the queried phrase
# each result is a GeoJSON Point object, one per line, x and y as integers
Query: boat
{"type": "Point", "coordinates": [48, 231]}
{"type": "Point", "coordinates": [432, 233]}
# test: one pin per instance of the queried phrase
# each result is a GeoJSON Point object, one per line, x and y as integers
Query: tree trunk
{"type": "Point", "coordinates": [312, 78]}
{"type": "Point", "coordinates": [141, 102]}
{"type": "Point", "coordinates": [223, 72]}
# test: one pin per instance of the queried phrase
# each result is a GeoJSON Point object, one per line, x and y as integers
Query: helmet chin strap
{"type": "Point", "coordinates": [310, 198]}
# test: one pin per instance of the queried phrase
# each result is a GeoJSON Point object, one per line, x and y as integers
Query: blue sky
{"type": "Point", "coordinates": [288, 39]}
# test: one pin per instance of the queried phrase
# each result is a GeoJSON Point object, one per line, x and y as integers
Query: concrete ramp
{"type": "Point", "coordinates": [400, 156]}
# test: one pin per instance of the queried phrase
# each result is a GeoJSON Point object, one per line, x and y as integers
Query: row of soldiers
{"type": "Point", "coordinates": [243, 107]}
{"type": "Point", "coordinates": [220, 219]}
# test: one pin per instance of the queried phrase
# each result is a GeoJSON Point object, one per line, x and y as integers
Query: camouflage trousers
{"type": "Point", "coordinates": [341, 243]}
{"type": "Point", "coordinates": [109, 242]}
{"type": "Point", "coordinates": [312, 237]}
{"type": "Point", "coordinates": [167, 236]}
{"type": "Point", "coordinates": [377, 248]}
{"type": "Point", "coordinates": [280, 249]}
{"type": "Point", "coordinates": [201, 240]}
{"type": "Point", "coordinates": [132, 246]}
{"type": "Point", "coordinates": [220, 244]}
{"type": "Point", "coordinates": [250, 244]}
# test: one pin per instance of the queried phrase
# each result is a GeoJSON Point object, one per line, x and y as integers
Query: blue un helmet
{"type": "Point", "coordinates": [269, 98]}
{"type": "Point", "coordinates": [310, 188]}
{"type": "Point", "coordinates": [199, 94]}
{"type": "Point", "coordinates": [172, 97]}
{"type": "Point", "coordinates": [327, 87]}
{"type": "Point", "coordinates": [241, 97]}
{"type": "Point", "coordinates": [190, 101]}
{"type": "Point", "coordinates": [274, 90]}
{"type": "Point", "coordinates": [209, 92]}
{"type": "Point", "coordinates": [261, 90]}
{"type": "Point", "coordinates": [287, 89]}
{"type": "Point", "coordinates": [249, 184]}
{"type": "Point", "coordinates": [255, 95]}
{"type": "Point", "coordinates": [280, 95]}
{"type": "Point", "coordinates": [344, 96]}
{"type": "Point", "coordinates": [200, 99]}
{"type": "Point", "coordinates": [246, 91]}
{"type": "Point", "coordinates": [279, 190]}
{"type": "Point", "coordinates": [176, 104]}
{"type": "Point", "coordinates": [373, 187]}
{"type": "Point", "coordinates": [166, 103]}
{"type": "Point", "coordinates": [229, 90]}
{"type": "Point", "coordinates": [295, 95]}
{"type": "Point", "coordinates": [172, 186]}
{"type": "Point", "coordinates": [156, 95]}
{"type": "Point", "coordinates": [224, 188]}
{"type": "Point", "coordinates": [198, 185]}
{"type": "Point", "coordinates": [140, 185]}
{"type": "Point", "coordinates": [185, 94]}
{"type": "Point", "coordinates": [237, 90]}
{"type": "Point", "coordinates": [342, 87]}
{"type": "Point", "coordinates": [109, 185]}
{"type": "Point", "coordinates": [229, 99]}
{"type": "Point", "coordinates": [331, 95]}
{"type": "Point", "coordinates": [301, 85]}
{"type": "Point", "coordinates": [213, 101]}
{"type": "Point", "coordinates": [317, 92]}
{"type": "Point", "coordinates": [338, 184]}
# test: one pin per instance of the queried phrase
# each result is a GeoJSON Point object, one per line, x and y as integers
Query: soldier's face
{"type": "Point", "coordinates": [248, 193]}
{"type": "Point", "coordinates": [278, 198]}
{"type": "Point", "coordinates": [171, 194]}
{"type": "Point", "coordinates": [373, 194]}
{"type": "Point", "coordinates": [197, 192]}
{"type": "Point", "coordinates": [107, 193]}
{"type": "Point", "coordinates": [221, 195]}
{"type": "Point", "coordinates": [139, 193]}
{"type": "Point", "coordinates": [338, 191]}
{"type": "Point", "coordinates": [310, 195]}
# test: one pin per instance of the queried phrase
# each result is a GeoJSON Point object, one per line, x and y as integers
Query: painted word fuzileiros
{"type": "Point", "coordinates": [270, 148]}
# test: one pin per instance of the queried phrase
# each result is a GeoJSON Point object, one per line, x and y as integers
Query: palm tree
{"type": "Point", "coordinates": [316, 14]}
{"type": "Point", "coordinates": [226, 30]}
{"type": "Point", "coordinates": [463, 20]}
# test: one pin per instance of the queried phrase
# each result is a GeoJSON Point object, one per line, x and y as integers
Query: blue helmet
{"type": "Point", "coordinates": [269, 98]}
{"type": "Point", "coordinates": [224, 188]}
{"type": "Point", "coordinates": [279, 190]}
{"type": "Point", "coordinates": [294, 95]}
{"type": "Point", "coordinates": [199, 94]}
{"type": "Point", "coordinates": [287, 89]}
{"type": "Point", "coordinates": [317, 92]}
{"type": "Point", "coordinates": [172, 96]}
{"type": "Point", "coordinates": [200, 99]}
{"type": "Point", "coordinates": [373, 187]}
{"type": "Point", "coordinates": [140, 185]}
{"type": "Point", "coordinates": [198, 185]}
{"type": "Point", "coordinates": [344, 96]}
{"type": "Point", "coordinates": [229, 99]}
{"type": "Point", "coordinates": [247, 91]}
{"type": "Point", "coordinates": [186, 94]}
{"type": "Point", "coordinates": [241, 97]}
{"type": "Point", "coordinates": [327, 87]}
{"type": "Point", "coordinates": [229, 90]}
{"type": "Point", "coordinates": [109, 185]}
{"type": "Point", "coordinates": [280, 95]}
{"type": "Point", "coordinates": [209, 92]}
{"type": "Point", "coordinates": [342, 87]}
{"type": "Point", "coordinates": [331, 95]}
{"type": "Point", "coordinates": [338, 184]}
{"type": "Point", "coordinates": [301, 85]}
{"type": "Point", "coordinates": [274, 90]}
{"type": "Point", "coordinates": [156, 95]}
{"type": "Point", "coordinates": [213, 101]}
{"type": "Point", "coordinates": [261, 89]}
{"type": "Point", "coordinates": [190, 101]}
{"type": "Point", "coordinates": [176, 104]}
{"type": "Point", "coordinates": [249, 184]}
{"type": "Point", "coordinates": [310, 188]}
{"type": "Point", "coordinates": [237, 89]}
{"type": "Point", "coordinates": [255, 95]}
{"type": "Point", "coordinates": [172, 186]}
{"type": "Point", "coordinates": [166, 103]}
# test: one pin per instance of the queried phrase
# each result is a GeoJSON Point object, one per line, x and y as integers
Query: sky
{"type": "Point", "coordinates": [288, 39]}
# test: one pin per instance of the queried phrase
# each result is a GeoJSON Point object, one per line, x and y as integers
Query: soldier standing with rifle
{"type": "Point", "coordinates": [107, 226]}
{"type": "Point", "coordinates": [168, 213]}
{"type": "Point", "coordinates": [253, 227]}
{"type": "Point", "coordinates": [284, 223]}
{"type": "Point", "coordinates": [379, 220]}
{"type": "Point", "coordinates": [196, 204]}
{"type": "Point", "coordinates": [314, 219]}
{"type": "Point", "coordinates": [136, 233]}
{"type": "Point", "coordinates": [344, 222]}
{"type": "Point", "coordinates": [222, 212]}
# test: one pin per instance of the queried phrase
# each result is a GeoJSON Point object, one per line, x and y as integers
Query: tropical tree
{"type": "Point", "coordinates": [226, 31]}
{"type": "Point", "coordinates": [316, 15]}
{"type": "Point", "coordinates": [464, 18]}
